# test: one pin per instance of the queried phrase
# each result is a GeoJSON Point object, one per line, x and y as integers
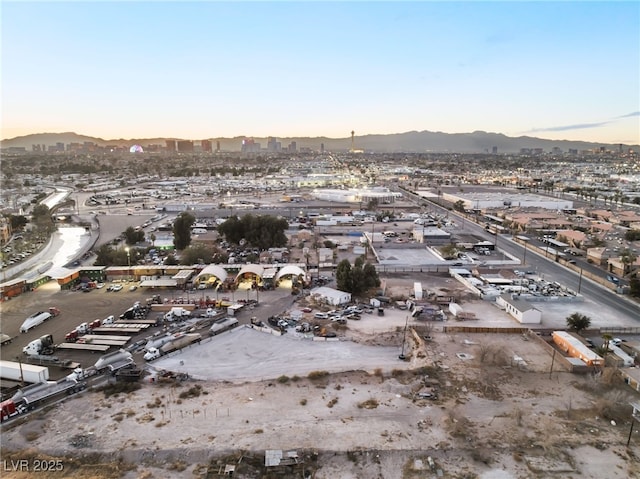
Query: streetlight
{"type": "Point", "coordinates": [128, 250]}
{"type": "Point", "coordinates": [524, 256]}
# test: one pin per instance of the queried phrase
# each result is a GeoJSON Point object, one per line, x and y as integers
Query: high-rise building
{"type": "Point", "coordinates": [494, 150]}
{"type": "Point", "coordinates": [218, 145]}
{"type": "Point", "coordinates": [185, 146]}
{"type": "Point", "coordinates": [206, 146]}
{"type": "Point", "coordinates": [250, 146]}
{"type": "Point", "coordinates": [273, 145]}
{"type": "Point", "coordinates": [293, 147]}
{"type": "Point", "coordinates": [171, 145]}
{"type": "Point", "coordinates": [322, 148]}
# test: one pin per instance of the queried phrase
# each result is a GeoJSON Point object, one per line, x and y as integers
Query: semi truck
{"type": "Point", "coordinates": [8, 409]}
{"type": "Point", "coordinates": [43, 346]}
{"type": "Point", "coordinates": [30, 397]}
{"type": "Point", "coordinates": [177, 314]}
{"type": "Point", "coordinates": [181, 342]}
{"type": "Point", "coordinates": [28, 373]}
{"type": "Point", "coordinates": [113, 361]}
{"type": "Point", "coordinates": [160, 341]}
{"type": "Point", "coordinates": [38, 318]}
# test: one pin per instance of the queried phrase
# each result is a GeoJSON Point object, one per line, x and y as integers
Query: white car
{"type": "Point", "coordinates": [116, 287]}
{"type": "Point", "coordinates": [99, 285]}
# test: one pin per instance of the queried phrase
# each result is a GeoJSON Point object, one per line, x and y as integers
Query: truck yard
{"type": "Point", "coordinates": [347, 396]}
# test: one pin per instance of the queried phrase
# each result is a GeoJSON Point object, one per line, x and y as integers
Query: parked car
{"type": "Point", "coordinates": [116, 287]}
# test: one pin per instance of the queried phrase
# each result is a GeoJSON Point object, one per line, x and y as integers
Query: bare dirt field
{"type": "Point", "coordinates": [487, 416]}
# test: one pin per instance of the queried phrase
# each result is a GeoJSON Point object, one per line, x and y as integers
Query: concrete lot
{"type": "Point", "coordinates": [244, 354]}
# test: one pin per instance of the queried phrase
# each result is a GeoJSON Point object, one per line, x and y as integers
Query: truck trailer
{"type": "Point", "coordinates": [113, 358]}
{"type": "Point", "coordinates": [222, 325]}
{"type": "Point", "coordinates": [28, 373]}
{"type": "Point", "coordinates": [35, 395]}
{"type": "Point", "coordinates": [181, 342]}
{"type": "Point", "coordinates": [38, 318]}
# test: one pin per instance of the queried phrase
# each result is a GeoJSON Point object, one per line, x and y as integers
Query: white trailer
{"type": "Point", "coordinates": [34, 320]}
{"type": "Point", "coordinates": [29, 373]}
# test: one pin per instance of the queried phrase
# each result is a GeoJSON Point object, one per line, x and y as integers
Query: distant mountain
{"type": "Point", "coordinates": [412, 141]}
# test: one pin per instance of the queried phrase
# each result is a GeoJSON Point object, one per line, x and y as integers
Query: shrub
{"type": "Point", "coordinates": [283, 379]}
{"type": "Point", "coordinates": [368, 404]}
{"type": "Point", "coordinates": [332, 402]}
{"type": "Point", "coordinates": [317, 375]}
{"type": "Point", "coordinates": [258, 431]}
{"type": "Point", "coordinates": [303, 402]}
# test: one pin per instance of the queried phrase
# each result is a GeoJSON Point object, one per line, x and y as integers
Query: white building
{"type": "Point", "coordinates": [520, 309]}
{"type": "Point", "coordinates": [331, 296]}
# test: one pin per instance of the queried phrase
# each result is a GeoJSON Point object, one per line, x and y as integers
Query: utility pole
{"type": "Point", "coordinates": [580, 281]}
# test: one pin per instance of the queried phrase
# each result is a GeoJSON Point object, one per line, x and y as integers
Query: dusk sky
{"type": "Point", "coordinates": [558, 70]}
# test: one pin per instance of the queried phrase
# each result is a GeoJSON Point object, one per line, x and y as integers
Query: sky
{"type": "Point", "coordinates": [207, 69]}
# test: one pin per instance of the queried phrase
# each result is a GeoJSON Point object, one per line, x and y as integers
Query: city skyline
{"type": "Point", "coordinates": [560, 71]}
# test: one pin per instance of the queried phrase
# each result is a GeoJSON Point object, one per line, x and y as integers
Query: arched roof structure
{"type": "Point", "coordinates": [212, 270]}
{"type": "Point", "coordinates": [290, 269]}
{"type": "Point", "coordinates": [251, 268]}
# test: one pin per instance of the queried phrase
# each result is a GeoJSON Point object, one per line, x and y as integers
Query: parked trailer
{"type": "Point", "coordinates": [181, 342]}
{"type": "Point", "coordinates": [115, 337]}
{"type": "Point", "coordinates": [111, 330]}
{"type": "Point", "coordinates": [159, 341]}
{"type": "Point", "coordinates": [101, 348]}
{"type": "Point", "coordinates": [29, 373]}
{"type": "Point", "coordinates": [124, 327]}
{"type": "Point", "coordinates": [112, 358]}
{"type": "Point", "coordinates": [222, 325]}
{"type": "Point", "coordinates": [37, 319]}
{"type": "Point", "coordinates": [105, 342]}
{"type": "Point", "coordinates": [151, 322]}
{"type": "Point", "coordinates": [36, 394]}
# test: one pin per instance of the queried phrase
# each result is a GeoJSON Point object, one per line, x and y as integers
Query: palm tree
{"type": "Point", "coordinates": [607, 339]}
{"type": "Point", "coordinates": [578, 322]}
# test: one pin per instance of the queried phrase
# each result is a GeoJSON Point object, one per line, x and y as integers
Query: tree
{"type": "Point", "coordinates": [627, 257]}
{"type": "Point", "coordinates": [358, 278]}
{"type": "Point", "coordinates": [17, 222]}
{"type": "Point", "coordinates": [152, 238]}
{"type": "Point", "coordinates": [171, 260]}
{"type": "Point", "coordinates": [131, 236]}
{"type": "Point", "coordinates": [459, 205]}
{"type": "Point", "coordinates": [578, 322]}
{"type": "Point", "coordinates": [262, 232]}
{"type": "Point", "coordinates": [182, 230]}
{"type": "Point", "coordinates": [343, 276]}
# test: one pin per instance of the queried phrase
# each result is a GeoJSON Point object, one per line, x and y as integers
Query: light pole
{"type": "Point", "coordinates": [128, 250]}
{"type": "Point", "coordinates": [524, 256]}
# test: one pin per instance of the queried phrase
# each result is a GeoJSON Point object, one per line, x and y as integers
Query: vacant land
{"type": "Point", "coordinates": [489, 417]}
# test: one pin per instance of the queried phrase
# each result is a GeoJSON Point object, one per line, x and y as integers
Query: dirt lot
{"type": "Point", "coordinates": [493, 418]}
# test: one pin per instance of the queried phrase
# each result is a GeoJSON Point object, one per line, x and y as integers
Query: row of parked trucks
{"type": "Point", "coordinates": [43, 390]}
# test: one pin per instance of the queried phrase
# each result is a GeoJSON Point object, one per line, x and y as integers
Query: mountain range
{"type": "Point", "coordinates": [413, 141]}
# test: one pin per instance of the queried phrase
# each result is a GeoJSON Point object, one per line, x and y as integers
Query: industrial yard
{"type": "Point", "coordinates": [352, 406]}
